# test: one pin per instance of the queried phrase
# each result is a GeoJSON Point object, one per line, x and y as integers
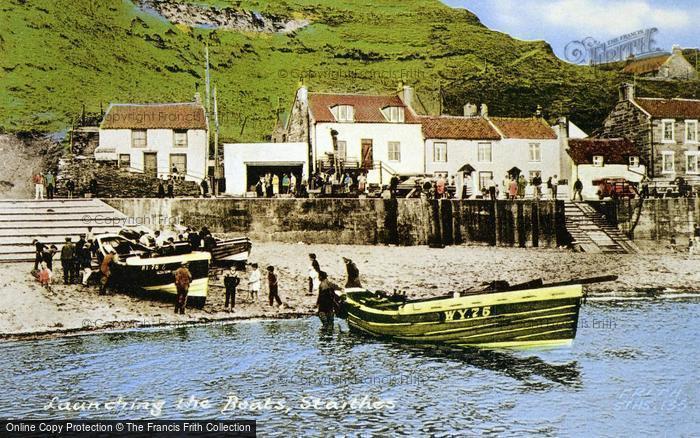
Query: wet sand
{"type": "Point", "coordinates": [28, 310]}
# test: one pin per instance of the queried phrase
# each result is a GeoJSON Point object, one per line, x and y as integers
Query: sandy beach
{"type": "Point", "coordinates": [29, 310]}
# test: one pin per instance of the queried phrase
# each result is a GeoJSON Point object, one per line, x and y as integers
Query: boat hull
{"type": "Point", "coordinates": [232, 250]}
{"type": "Point", "coordinates": [537, 317]}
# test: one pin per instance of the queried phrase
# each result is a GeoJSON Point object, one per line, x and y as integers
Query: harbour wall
{"type": "Point", "coordinates": [654, 219]}
{"type": "Point", "coordinates": [361, 221]}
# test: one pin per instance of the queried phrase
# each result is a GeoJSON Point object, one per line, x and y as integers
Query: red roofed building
{"type": "Point", "coordinates": [379, 134]}
{"type": "Point", "coordinates": [664, 131]}
{"type": "Point", "coordinates": [595, 159]}
{"type": "Point", "coordinates": [156, 138]}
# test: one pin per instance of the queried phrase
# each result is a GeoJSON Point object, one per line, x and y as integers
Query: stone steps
{"type": "Point", "coordinates": [592, 233]}
{"type": "Point", "coordinates": [50, 222]}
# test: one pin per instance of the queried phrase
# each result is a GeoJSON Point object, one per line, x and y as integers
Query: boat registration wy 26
{"type": "Point", "coordinates": [468, 313]}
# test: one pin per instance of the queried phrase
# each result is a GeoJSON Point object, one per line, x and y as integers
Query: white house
{"type": "Point", "coordinates": [155, 138]}
{"type": "Point", "coordinates": [594, 159]}
{"type": "Point", "coordinates": [378, 133]}
{"type": "Point", "coordinates": [491, 146]}
{"type": "Point", "coordinates": [244, 163]}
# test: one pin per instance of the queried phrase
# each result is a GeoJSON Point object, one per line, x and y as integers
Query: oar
{"type": "Point", "coordinates": [589, 280]}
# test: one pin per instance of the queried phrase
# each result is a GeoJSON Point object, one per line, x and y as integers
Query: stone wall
{"type": "Point", "coordinates": [361, 221]}
{"type": "Point", "coordinates": [626, 120]}
{"type": "Point", "coordinates": [657, 219]}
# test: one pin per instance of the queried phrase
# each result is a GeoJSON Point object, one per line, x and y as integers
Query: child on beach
{"type": "Point", "coordinates": [44, 276]}
{"type": "Point", "coordinates": [254, 282]}
{"type": "Point", "coordinates": [272, 286]}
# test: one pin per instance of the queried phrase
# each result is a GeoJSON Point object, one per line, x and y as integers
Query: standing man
{"type": "Point", "coordinates": [38, 179]}
{"type": "Point", "coordinates": [578, 188]}
{"type": "Point", "coordinates": [285, 184]}
{"type": "Point", "coordinates": [106, 270]}
{"type": "Point", "coordinates": [555, 187]}
{"type": "Point", "coordinates": [254, 282]}
{"type": "Point", "coordinates": [231, 281]}
{"type": "Point", "coordinates": [38, 254]}
{"type": "Point", "coordinates": [205, 188]}
{"type": "Point", "coordinates": [537, 182]}
{"type": "Point", "coordinates": [326, 301]}
{"type": "Point", "coordinates": [273, 286]}
{"type": "Point", "coordinates": [68, 261]}
{"type": "Point", "coordinates": [70, 188]}
{"type": "Point", "coordinates": [171, 187]}
{"type": "Point", "coordinates": [161, 189]}
{"type": "Point", "coordinates": [522, 184]}
{"type": "Point", "coordinates": [293, 184]}
{"type": "Point", "coordinates": [492, 188]}
{"type": "Point", "coordinates": [50, 182]}
{"type": "Point", "coordinates": [78, 258]}
{"type": "Point", "coordinates": [183, 278]}
{"type": "Point", "coordinates": [440, 187]}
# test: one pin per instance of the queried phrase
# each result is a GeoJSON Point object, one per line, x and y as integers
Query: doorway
{"type": "Point", "coordinates": [150, 163]}
{"type": "Point", "coordinates": [367, 154]}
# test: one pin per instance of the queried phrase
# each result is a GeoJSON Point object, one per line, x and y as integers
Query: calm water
{"type": "Point", "coordinates": [632, 370]}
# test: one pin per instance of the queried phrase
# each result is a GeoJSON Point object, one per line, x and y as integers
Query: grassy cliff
{"type": "Point", "coordinates": [58, 55]}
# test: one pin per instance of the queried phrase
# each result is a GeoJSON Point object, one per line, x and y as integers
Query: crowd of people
{"type": "Point", "coordinates": [46, 186]}
{"type": "Point", "coordinates": [76, 259]}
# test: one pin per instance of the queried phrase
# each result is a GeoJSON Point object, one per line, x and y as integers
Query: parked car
{"type": "Point", "coordinates": [616, 188]}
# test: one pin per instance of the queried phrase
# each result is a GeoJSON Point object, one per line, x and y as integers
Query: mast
{"type": "Point", "coordinates": [217, 172]}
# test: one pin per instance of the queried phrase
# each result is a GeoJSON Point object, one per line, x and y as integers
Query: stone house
{"type": "Point", "coordinates": [154, 138]}
{"type": "Point", "coordinates": [594, 159]}
{"type": "Point", "coordinates": [666, 66]}
{"type": "Point", "coordinates": [491, 146]}
{"type": "Point", "coordinates": [665, 132]}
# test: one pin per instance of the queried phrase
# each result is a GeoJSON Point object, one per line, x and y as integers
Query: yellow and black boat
{"type": "Point", "coordinates": [152, 270]}
{"type": "Point", "coordinates": [524, 315]}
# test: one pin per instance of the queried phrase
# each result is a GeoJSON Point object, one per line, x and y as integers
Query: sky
{"type": "Point", "coordinates": [561, 21]}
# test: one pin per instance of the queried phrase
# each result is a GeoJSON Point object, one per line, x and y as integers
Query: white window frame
{"type": "Point", "coordinates": [665, 159]}
{"type": "Point", "coordinates": [694, 156]}
{"type": "Point", "coordinates": [120, 163]}
{"type": "Point", "coordinates": [145, 139]}
{"type": "Point", "coordinates": [180, 145]}
{"type": "Point", "coordinates": [598, 161]}
{"type": "Point", "coordinates": [394, 114]}
{"type": "Point", "coordinates": [480, 154]}
{"type": "Point", "coordinates": [439, 153]}
{"type": "Point", "coordinates": [691, 126]}
{"type": "Point", "coordinates": [395, 154]}
{"type": "Point", "coordinates": [342, 152]}
{"type": "Point", "coordinates": [535, 152]}
{"type": "Point", "coordinates": [484, 177]}
{"type": "Point", "coordinates": [343, 113]}
{"type": "Point", "coordinates": [665, 122]}
{"type": "Point", "coordinates": [633, 161]}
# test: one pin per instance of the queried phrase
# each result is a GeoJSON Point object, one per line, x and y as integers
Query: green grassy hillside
{"type": "Point", "coordinates": [57, 55]}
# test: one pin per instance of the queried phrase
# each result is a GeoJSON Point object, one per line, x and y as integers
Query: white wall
{"type": "Point", "coordinates": [238, 155]}
{"type": "Point", "coordinates": [160, 141]}
{"type": "Point", "coordinates": [588, 173]}
{"type": "Point", "coordinates": [409, 135]}
{"type": "Point", "coordinates": [505, 155]}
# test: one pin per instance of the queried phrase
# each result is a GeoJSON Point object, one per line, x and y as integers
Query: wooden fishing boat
{"type": "Point", "coordinates": [529, 314]}
{"type": "Point", "coordinates": [236, 250]}
{"type": "Point", "coordinates": [152, 270]}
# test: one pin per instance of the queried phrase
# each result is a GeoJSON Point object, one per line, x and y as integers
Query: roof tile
{"type": "Point", "coordinates": [525, 128]}
{"type": "Point", "coordinates": [614, 150]}
{"type": "Point", "coordinates": [367, 108]}
{"type": "Point", "coordinates": [671, 108]}
{"type": "Point", "coordinates": [462, 128]}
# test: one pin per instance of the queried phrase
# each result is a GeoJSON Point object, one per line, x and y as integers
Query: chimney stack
{"type": "Point", "coordinates": [538, 111]}
{"type": "Point", "coordinates": [470, 110]}
{"type": "Point", "coordinates": [627, 92]}
{"type": "Point", "coordinates": [407, 95]}
{"type": "Point", "coordinates": [198, 98]}
{"type": "Point", "coordinates": [484, 110]}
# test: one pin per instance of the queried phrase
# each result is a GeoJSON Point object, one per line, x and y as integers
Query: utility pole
{"type": "Point", "coordinates": [217, 171]}
{"type": "Point", "coordinates": [207, 78]}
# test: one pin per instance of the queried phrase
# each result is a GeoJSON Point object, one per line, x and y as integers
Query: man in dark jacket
{"type": "Point", "coordinates": [231, 282]}
{"type": "Point", "coordinates": [578, 188]}
{"type": "Point", "coordinates": [326, 301]}
{"type": "Point", "coordinates": [68, 261]}
{"type": "Point", "coordinates": [78, 257]}
{"type": "Point", "coordinates": [38, 253]}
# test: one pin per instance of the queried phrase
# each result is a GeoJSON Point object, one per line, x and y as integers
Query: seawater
{"type": "Point", "coordinates": [632, 371]}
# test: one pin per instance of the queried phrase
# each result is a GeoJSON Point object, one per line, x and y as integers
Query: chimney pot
{"type": "Point", "coordinates": [484, 110]}
{"type": "Point", "coordinates": [469, 110]}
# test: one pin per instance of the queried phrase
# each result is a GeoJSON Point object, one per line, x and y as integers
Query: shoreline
{"type": "Point", "coordinates": [29, 312]}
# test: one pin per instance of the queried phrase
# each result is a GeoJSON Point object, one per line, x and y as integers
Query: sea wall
{"type": "Point", "coordinates": [656, 219]}
{"type": "Point", "coordinates": [361, 221]}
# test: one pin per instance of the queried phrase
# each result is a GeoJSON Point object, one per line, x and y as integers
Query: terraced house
{"type": "Point", "coordinates": [490, 147]}
{"type": "Point", "coordinates": [665, 132]}
{"type": "Point", "coordinates": [155, 138]}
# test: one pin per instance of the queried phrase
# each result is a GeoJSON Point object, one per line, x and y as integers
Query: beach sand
{"type": "Point", "coordinates": [28, 310]}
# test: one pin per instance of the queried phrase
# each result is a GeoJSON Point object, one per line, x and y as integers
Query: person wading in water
{"type": "Point", "coordinates": [353, 274]}
{"type": "Point", "coordinates": [183, 278]}
{"type": "Point", "coordinates": [327, 301]}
